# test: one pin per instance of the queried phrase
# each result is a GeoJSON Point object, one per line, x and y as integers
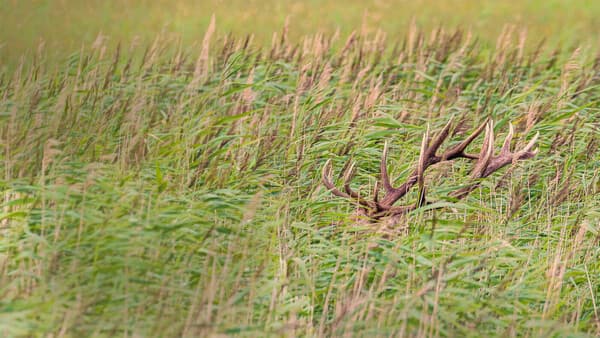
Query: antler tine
{"type": "Point", "coordinates": [459, 150]}
{"type": "Point", "coordinates": [328, 181]}
{"type": "Point", "coordinates": [348, 175]}
{"type": "Point", "coordinates": [487, 151]}
{"type": "Point", "coordinates": [507, 157]}
{"type": "Point", "coordinates": [423, 155]}
{"type": "Point", "coordinates": [376, 192]}
{"type": "Point", "coordinates": [439, 139]}
{"type": "Point", "coordinates": [506, 146]}
{"type": "Point", "coordinates": [385, 179]}
{"type": "Point", "coordinates": [530, 145]}
{"type": "Point", "coordinates": [349, 194]}
{"type": "Point", "coordinates": [485, 156]}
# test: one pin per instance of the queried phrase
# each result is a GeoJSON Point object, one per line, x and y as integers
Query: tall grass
{"type": "Point", "coordinates": [177, 193]}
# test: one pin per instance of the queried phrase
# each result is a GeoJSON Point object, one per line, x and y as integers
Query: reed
{"type": "Point", "coordinates": [169, 191]}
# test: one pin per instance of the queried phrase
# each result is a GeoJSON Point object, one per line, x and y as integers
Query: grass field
{"type": "Point", "coordinates": [167, 189]}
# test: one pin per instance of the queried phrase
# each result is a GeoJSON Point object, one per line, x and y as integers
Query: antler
{"type": "Point", "coordinates": [485, 165]}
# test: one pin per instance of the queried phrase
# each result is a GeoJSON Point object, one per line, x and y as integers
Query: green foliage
{"type": "Point", "coordinates": [177, 194]}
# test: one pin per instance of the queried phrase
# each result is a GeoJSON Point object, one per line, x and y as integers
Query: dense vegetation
{"type": "Point", "coordinates": [171, 192]}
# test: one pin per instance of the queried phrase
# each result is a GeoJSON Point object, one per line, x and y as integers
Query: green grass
{"type": "Point", "coordinates": [178, 193]}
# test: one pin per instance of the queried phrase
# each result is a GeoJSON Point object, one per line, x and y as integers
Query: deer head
{"type": "Point", "coordinates": [486, 163]}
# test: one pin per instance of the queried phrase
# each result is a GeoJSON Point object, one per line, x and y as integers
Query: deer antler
{"type": "Point", "coordinates": [485, 165]}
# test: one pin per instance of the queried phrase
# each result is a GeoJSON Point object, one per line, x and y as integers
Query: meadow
{"type": "Point", "coordinates": [167, 189]}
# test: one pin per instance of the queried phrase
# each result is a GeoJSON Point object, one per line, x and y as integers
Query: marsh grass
{"type": "Point", "coordinates": [177, 193]}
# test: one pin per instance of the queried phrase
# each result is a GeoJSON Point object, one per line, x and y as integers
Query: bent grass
{"type": "Point", "coordinates": [178, 193]}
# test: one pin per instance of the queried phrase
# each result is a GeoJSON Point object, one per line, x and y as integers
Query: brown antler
{"type": "Point", "coordinates": [486, 164]}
